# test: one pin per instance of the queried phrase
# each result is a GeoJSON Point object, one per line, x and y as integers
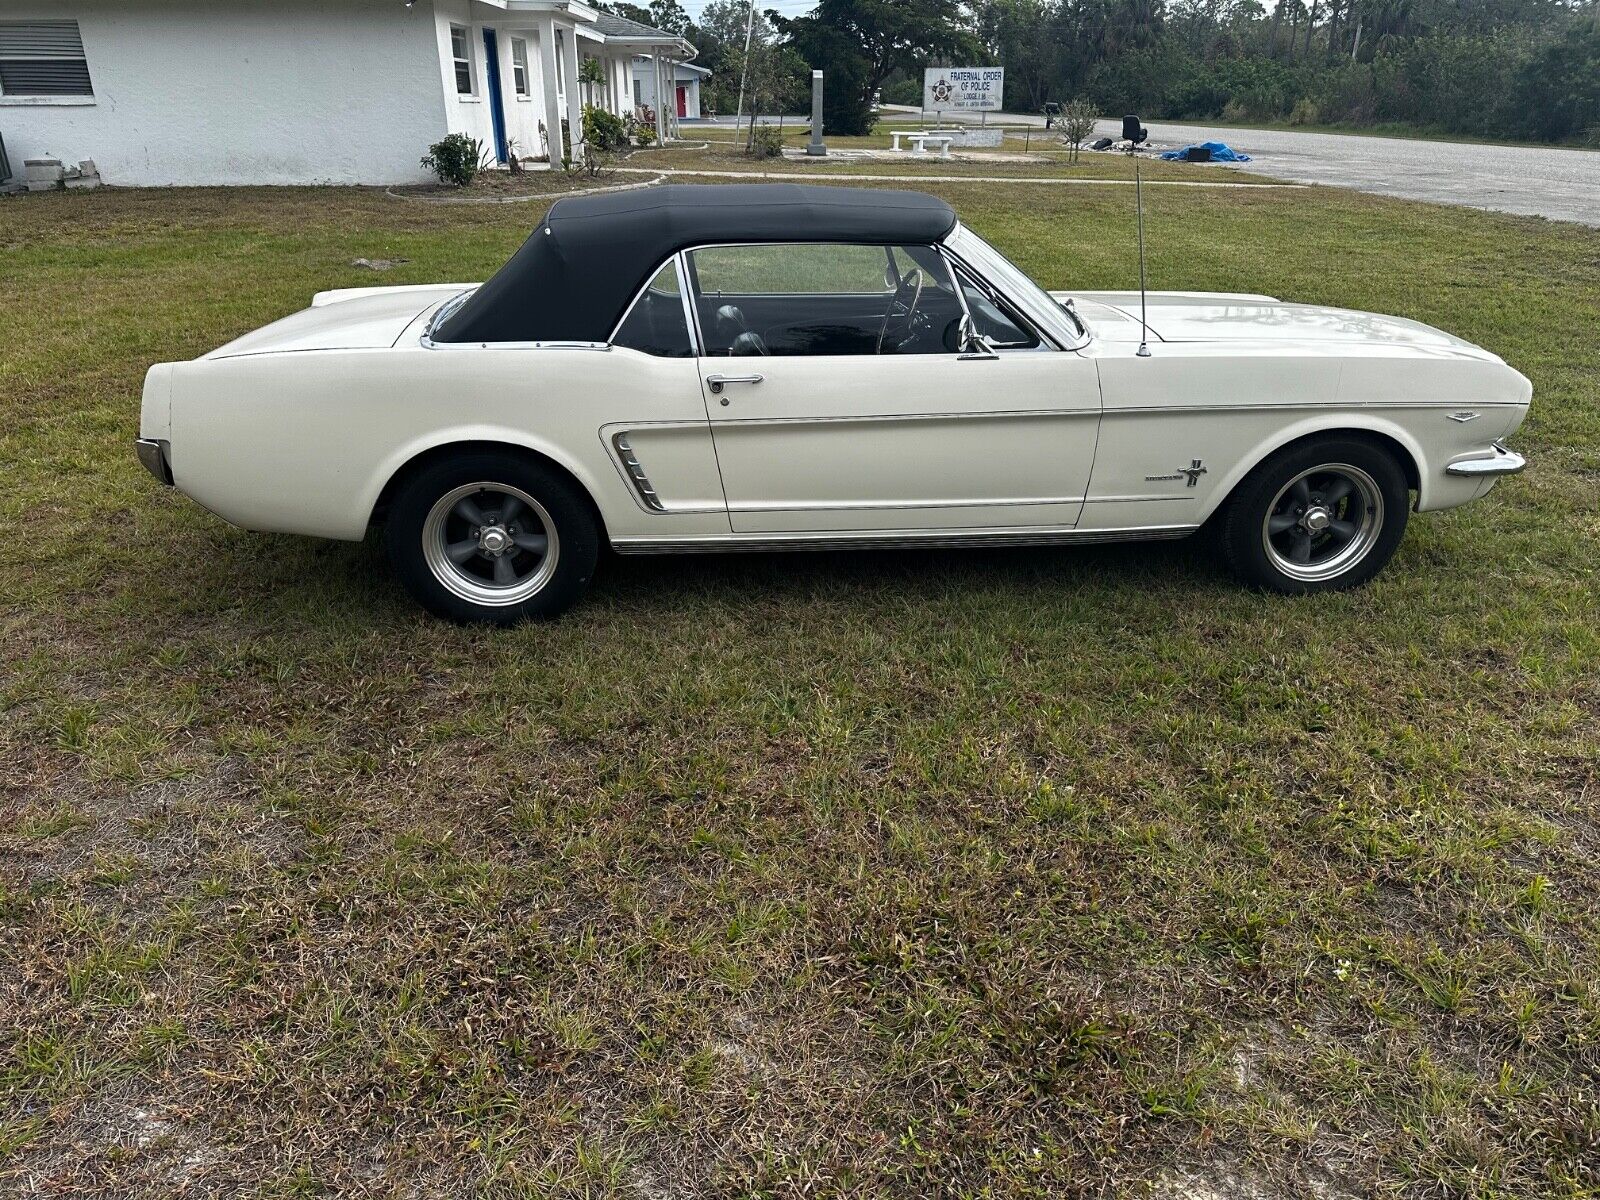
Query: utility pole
{"type": "Point", "coordinates": [744, 72]}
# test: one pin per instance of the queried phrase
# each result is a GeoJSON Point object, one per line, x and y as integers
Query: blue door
{"type": "Point", "coordinates": [497, 112]}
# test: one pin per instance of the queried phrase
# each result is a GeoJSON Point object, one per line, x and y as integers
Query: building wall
{"type": "Point", "coordinates": [241, 91]}
{"type": "Point", "coordinates": [644, 74]}
{"type": "Point", "coordinates": [470, 114]}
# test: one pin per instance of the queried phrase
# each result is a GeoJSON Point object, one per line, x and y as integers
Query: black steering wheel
{"type": "Point", "coordinates": [906, 298]}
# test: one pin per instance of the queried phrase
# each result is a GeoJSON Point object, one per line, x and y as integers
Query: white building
{"type": "Point", "coordinates": [161, 92]}
{"type": "Point", "coordinates": [686, 79]}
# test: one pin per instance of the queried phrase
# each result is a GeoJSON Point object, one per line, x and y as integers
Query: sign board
{"type": "Point", "coordinates": [963, 89]}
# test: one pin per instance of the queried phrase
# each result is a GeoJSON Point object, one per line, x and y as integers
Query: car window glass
{"type": "Point", "coordinates": [657, 324]}
{"type": "Point", "coordinates": [748, 270]}
{"type": "Point", "coordinates": [994, 318]}
{"type": "Point", "coordinates": [824, 299]}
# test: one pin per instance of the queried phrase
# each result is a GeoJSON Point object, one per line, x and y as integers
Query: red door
{"type": "Point", "coordinates": [683, 101]}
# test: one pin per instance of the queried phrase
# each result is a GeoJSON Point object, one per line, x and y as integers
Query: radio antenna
{"type": "Point", "coordinates": [1135, 133]}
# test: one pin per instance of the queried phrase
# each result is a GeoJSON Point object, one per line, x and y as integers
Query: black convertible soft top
{"type": "Point", "coordinates": [576, 273]}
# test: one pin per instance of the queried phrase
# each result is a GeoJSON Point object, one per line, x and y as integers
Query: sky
{"type": "Point", "coordinates": [788, 8]}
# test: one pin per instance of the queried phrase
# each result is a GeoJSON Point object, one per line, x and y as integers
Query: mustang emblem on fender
{"type": "Point", "coordinates": [1192, 472]}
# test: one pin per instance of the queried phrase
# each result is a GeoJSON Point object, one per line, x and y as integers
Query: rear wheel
{"type": "Point", "coordinates": [492, 538]}
{"type": "Point", "coordinates": [1319, 516]}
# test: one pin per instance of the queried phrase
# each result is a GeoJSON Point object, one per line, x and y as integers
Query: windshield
{"type": "Point", "coordinates": [1004, 274]}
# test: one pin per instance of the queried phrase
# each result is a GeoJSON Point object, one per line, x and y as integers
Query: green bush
{"type": "Point", "coordinates": [902, 91]}
{"type": "Point", "coordinates": [1558, 91]}
{"type": "Point", "coordinates": [455, 160]}
{"type": "Point", "coordinates": [603, 130]}
{"type": "Point", "coordinates": [765, 142]}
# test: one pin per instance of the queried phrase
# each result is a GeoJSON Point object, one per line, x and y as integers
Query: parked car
{"type": "Point", "coordinates": [780, 367]}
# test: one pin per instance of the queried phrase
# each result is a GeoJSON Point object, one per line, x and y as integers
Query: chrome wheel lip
{"type": "Point", "coordinates": [470, 587]}
{"type": "Point", "coordinates": [1346, 556]}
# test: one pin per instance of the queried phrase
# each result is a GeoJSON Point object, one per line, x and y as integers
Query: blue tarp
{"type": "Point", "coordinates": [1220, 152]}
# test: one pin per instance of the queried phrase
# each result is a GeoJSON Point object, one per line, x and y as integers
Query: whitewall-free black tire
{"type": "Point", "coordinates": [492, 537]}
{"type": "Point", "coordinates": [1321, 515]}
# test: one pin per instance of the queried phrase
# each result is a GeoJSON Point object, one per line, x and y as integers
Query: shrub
{"type": "Point", "coordinates": [455, 160]}
{"type": "Point", "coordinates": [1305, 112]}
{"type": "Point", "coordinates": [603, 130]}
{"type": "Point", "coordinates": [766, 141]}
{"type": "Point", "coordinates": [645, 134]}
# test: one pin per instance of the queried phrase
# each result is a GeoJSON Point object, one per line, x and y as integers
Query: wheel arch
{"type": "Point", "coordinates": [1384, 434]}
{"type": "Point", "coordinates": [407, 467]}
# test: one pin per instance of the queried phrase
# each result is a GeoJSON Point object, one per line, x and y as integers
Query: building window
{"type": "Point", "coordinates": [519, 66]}
{"type": "Point", "coordinates": [638, 94]}
{"type": "Point", "coordinates": [42, 58]}
{"type": "Point", "coordinates": [461, 52]}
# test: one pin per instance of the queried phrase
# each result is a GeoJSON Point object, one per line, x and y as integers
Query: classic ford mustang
{"type": "Point", "coordinates": [702, 368]}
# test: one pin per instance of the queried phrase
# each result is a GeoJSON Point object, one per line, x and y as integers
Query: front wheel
{"type": "Point", "coordinates": [1320, 516]}
{"type": "Point", "coordinates": [492, 538]}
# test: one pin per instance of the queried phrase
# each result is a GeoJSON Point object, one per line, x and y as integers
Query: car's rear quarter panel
{"type": "Point", "coordinates": [305, 442]}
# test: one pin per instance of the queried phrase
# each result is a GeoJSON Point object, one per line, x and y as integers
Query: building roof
{"type": "Point", "coordinates": [614, 26]}
{"type": "Point", "coordinates": [577, 272]}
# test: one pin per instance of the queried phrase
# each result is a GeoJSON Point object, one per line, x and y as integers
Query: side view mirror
{"type": "Point", "coordinates": [973, 343]}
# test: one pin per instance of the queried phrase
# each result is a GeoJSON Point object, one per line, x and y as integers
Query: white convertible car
{"type": "Point", "coordinates": [783, 367]}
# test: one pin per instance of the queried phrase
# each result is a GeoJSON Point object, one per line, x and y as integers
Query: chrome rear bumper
{"type": "Point", "coordinates": [153, 454]}
{"type": "Point", "coordinates": [1499, 461]}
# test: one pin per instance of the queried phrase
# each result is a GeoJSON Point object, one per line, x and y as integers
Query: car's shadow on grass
{"type": "Point", "coordinates": [628, 580]}
{"type": "Point", "coordinates": [286, 581]}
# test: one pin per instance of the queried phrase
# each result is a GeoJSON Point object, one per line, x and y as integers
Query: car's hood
{"type": "Point", "coordinates": [349, 319]}
{"type": "Point", "coordinates": [1228, 317]}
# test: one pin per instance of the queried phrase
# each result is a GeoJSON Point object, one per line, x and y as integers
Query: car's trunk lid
{"type": "Point", "coordinates": [348, 319]}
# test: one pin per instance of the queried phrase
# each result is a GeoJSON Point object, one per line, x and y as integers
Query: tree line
{"type": "Point", "coordinates": [1525, 69]}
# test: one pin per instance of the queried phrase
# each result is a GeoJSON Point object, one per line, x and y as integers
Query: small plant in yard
{"type": "Point", "coordinates": [603, 130]}
{"type": "Point", "coordinates": [766, 141]}
{"type": "Point", "coordinates": [1076, 123]}
{"type": "Point", "coordinates": [645, 134]}
{"type": "Point", "coordinates": [456, 160]}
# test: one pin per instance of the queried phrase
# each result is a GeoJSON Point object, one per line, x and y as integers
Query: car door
{"type": "Point", "coordinates": [819, 428]}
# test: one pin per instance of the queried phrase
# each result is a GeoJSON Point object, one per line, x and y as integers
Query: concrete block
{"type": "Point", "coordinates": [42, 170]}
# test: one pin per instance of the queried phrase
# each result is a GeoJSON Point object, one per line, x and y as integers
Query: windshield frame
{"type": "Point", "coordinates": [1060, 323]}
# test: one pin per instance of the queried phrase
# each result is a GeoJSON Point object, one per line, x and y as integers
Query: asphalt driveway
{"type": "Point", "coordinates": [1539, 181]}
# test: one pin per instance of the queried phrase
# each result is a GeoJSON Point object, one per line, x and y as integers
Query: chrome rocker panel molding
{"type": "Point", "coordinates": [1500, 461]}
{"type": "Point", "coordinates": [897, 540]}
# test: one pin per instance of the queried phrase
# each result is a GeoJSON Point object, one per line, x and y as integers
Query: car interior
{"type": "Point", "coordinates": [805, 299]}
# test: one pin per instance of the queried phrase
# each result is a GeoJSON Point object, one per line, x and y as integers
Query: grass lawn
{"type": "Point", "coordinates": [1025, 873]}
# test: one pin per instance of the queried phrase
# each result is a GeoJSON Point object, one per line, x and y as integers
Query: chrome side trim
{"type": "Point", "coordinates": [1500, 461]}
{"type": "Point", "coordinates": [429, 344]}
{"type": "Point", "coordinates": [636, 475]}
{"type": "Point", "coordinates": [868, 418]}
{"type": "Point", "coordinates": [896, 540]}
{"type": "Point", "coordinates": [155, 455]}
{"type": "Point", "coordinates": [1330, 406]}
{"type": "Point", "coordinates": [876, 506]}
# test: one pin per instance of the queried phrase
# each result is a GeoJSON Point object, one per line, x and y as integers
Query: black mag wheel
{"type": "Point", "coordinates": [494, 538]}
{"type": "Point", "coordinates": [1321, 515]}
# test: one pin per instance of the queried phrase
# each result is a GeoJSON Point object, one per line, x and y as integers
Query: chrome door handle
{"type": "Point", "coordinates": [718, 381]}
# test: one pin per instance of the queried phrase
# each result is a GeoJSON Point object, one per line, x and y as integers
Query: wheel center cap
{"type": "Point", "coordinates": [493, 539]}
{"type": "Point", "coordinates": [1316, 519]}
